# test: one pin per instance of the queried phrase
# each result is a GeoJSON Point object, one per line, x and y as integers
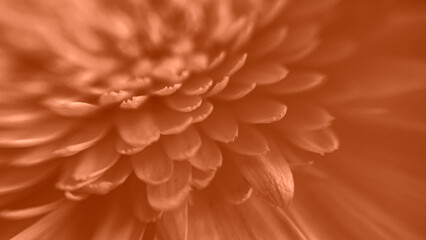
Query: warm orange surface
{"type": "Point", "coordinates": [212, 119]}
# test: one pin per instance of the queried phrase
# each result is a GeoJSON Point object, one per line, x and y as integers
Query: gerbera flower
{"type": "Point", "coordinates": [188, 119]}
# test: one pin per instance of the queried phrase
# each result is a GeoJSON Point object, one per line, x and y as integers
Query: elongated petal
{"type": "Point", "coordinates": [259, 110]}
{"type": "Point", "coordinates": [297, 82]}
{"type": "Point", "coordinates": [170, 121]}
{"type": "Point", "coordinates": [264, 73]}
{"type": "Point", "coordinates": [152, 165]}
{"type": "Point", "coordinates": [201, 179]}
{"type": "Point", "coordinates": [16, 179]}
{"type": "Point", "coordinates": [95, 160]}
{"type": "Point", "coordinates": [140, 206]}
{"type": "Point", "coordinates": [137, 127]}
{"type": "Point", "coordinates": [318, 141]}
{"type": "Point", "coordinates": [208, 157]}
{"type": "Point", "coordinates": [174, 224]}
{"type": "Point", "coordinates": [172, 193]}
{"type": "Point", "coordinates": [183, 103]}
{"type": "Point", "coordinates": [269, 175]}
{"type": "Point", "coordinates": [250, 141]}
{"type": "Point", "coordinates": [220, 125]}
{"type": "Point", "coordinates": [35, 135]}
{"type": "Point", "coordinates": [183, 145]}
{"type": "Point", "coordinates": [197, 86]}
{"type": "Point", "coordinates": [268, 42]}
{"type": "Point", "coordinates": [85, 136]}
{"type": "Point", "coordinates": [201, 113]}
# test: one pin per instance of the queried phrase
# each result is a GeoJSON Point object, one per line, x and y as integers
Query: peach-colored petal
{"type": "Point", "coordinates": [208, 157]}
{"type": "Point", "coordinates": [172, 193]}
{"type": "Point", "coordinates": [174, 223]}
{"type": "Point", "coordinates": [183, 103]}
{"type": "Point", "coordinates": [265, 44]}
{"type": "Point", "coordinates": [220, 125]}
{"type": "Point", "coordinates": [201, 113]}
{"type": "Point", "coordinates": [140, 206]}
{"type": "Point", "coordinates": [250, 141]}
{"type": "Point", "coordinates": [259, 110]}
{"type": "Point", "coordinates": [170, 121]}
{"type": "Point", "coordinates": [183, 145]}
{"type": "Point", "coordinates": [318, 141]}
{"type": "Point", "coordinates": [32, 135]}
{"type": "Point", "coordinates": [201, 179]}
{"type": "Point", "coordinates": [296, 82]}
{"type": "Point", "coordinates": [137, 128]}
{"type": "Point", "coordinates": [152, 165]}
{"type": "Point", "coordinates": [269, 175]}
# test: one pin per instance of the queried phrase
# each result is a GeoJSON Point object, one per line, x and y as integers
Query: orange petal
{"type": "Point", "coordinates": [230, 66]}
{"type": "Point", "coordinates": [268, 42]}
{"type": "Point", "coordinates": [249, 142]}
{"type": "Point", "coordinates": [30, 212]}
{"type": "Point", "coordinates": [172, 193]}
{"type": "Point", "coordinates": [236, 90]}
{"type": "Point", "coordinates": [183, 103]}
{"type": "Point", "coordinates": [220, 125]}
{"type": "Point", "coordinates": [231, 184]}
{"type": "Point", "coordinates": [140, 205]}
{"type": "Point", "coordinates": [84, 137]}
{"type": "Point", "coordinates": [95, 160]}
{"type": "Point", "coordinates": [170, 121]}
{"type": "Point", "coordinates": [174, 224]}
{"type": "Point", "coordinates": [297, 82]}
{"type": "Point", "coordinates": [35, 135]}
{"type": "Point", "coordinates": [318, 141]}
{"type": "Point", "coordinates": [69, 108]}
{"type": "Point", "coordinates": [269, 175]}
{"type": "Point", "coordinates": [208, 157]}
{"type": "Point", "coordinates": [201, 113]}
{"type": "Point", "coordinates": [197, 86]}
{"type": "Point", "coordinates": [264, 73]}
{"type": "Point", "coordinates": [137, 127]}
{"type": "Point", "coordinates": [303, 116]}
{"type": "Point", "coordinates": [201, 179]}
{"type": "Point", "coordinates": [152, 165]}
{"type": "Point", "coordinates": [259, 110]}
{"type": "Point", "coordinates": [183, 145]}
{"type": "Point", "coordinates": [15, 179]}
{"type": "Point", "coordinates": [111, 179]}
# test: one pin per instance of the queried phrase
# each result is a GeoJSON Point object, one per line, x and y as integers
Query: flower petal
{"type": "Point", "coordinates": [264, 73]}
{"type": "Point", "coordinates": [297, 82]}
{"type": "Point", "coordinates": [83, 138]}
{"type": "Point", "coordinates": [220, 125]}
{"type": "Point", "coordinates": [250, 141]}
{"type": "Point", "coordinates": [137, 127]}
{"type": "Point", "coordinates": [152, 165]}
{"type": "Point", "coordinates": [208, 157]}
{"type": "Point", "coordinates": [304, 116]}
{"type": "Point", "coordinates": [268, 42]}
{"type": "Point", "coordinates": [201, 179]}
{"type": "Point", "coordinates": [170, 121]}
{"type": "Point", "coordinates": [174, 224]}
{"type": "Point", "coordinates": [201, 113]}
{"type": "Point", "coordinates": [259, 110]}
{"type": "Point", "coordinates": [269, 175]}
{"type": "Point", "coordinates": [236, 91]}
{"type": "Point", "coordinates": [231, 184]}
{"type": "Point", "coordinates": [95, 160]}
{"type": "Point", "coordinates": [183, 145]}
{"type": "Point", "coordinates": [230, 66]}
{"type": "Point", "coordinates": [111, 179]}
{"type": "Point", "coordinates": [16, 214]}
{"type": "Point", "coordinates": [183, 103]}
{"type": "Point", "coordinates": [140, 205]}
{"type": "Point", "coordinates": [16, 179]}
{"type": "Point", "coordinates": [197, 86]}
{"type": "Point", "coordinates": [172, 193]}
{"type": "Point", "coordinates": [318, 141]}
{"type": "Point", "coordinates": [31, 136]}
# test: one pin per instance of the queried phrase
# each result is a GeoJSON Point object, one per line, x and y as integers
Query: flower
{"type": "Point", "coordinates": [188, 119]}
